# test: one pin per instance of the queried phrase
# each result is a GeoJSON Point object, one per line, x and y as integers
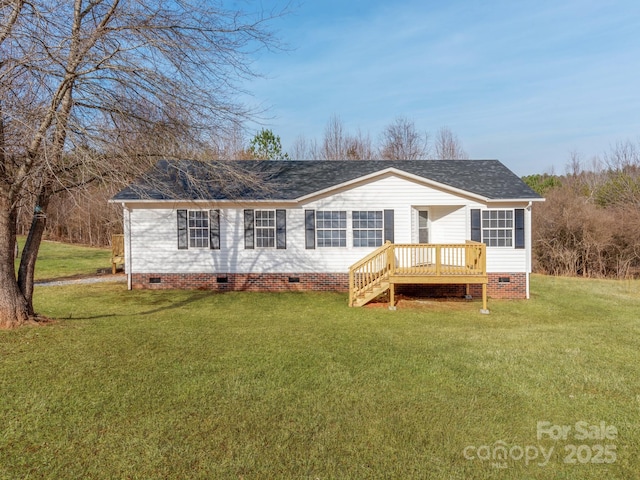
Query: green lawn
{"type": "Point", "coordinates": [57, 259]}
{"type": "Point", "coordinates": [190, 384]}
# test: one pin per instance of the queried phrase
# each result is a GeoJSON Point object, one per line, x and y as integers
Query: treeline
{"type": "Point", "coordinates": [589, 224]}
{"type": "Point", "coordinates": [83, 215]}
{"type": "Point", "coordinates": [399, 140]}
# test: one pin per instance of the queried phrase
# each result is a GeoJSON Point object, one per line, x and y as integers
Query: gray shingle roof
{"type": "Point", "coordinates": [290, 180]}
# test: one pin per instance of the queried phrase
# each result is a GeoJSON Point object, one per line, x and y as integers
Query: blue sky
{"type": "Point", "coordinates": [521, 81]}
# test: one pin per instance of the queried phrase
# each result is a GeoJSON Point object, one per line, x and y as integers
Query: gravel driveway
{"type": "Point", "coordinates": [84, 280]}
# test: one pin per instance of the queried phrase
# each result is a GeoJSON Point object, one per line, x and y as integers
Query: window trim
{"type": "Point", "coordinates": [204, 229]}
{"type": "Point", "coordinates": [381, 229]}
{"type": "Point", "coordinates": [272, 228]}
{"type": "Point", "coordinates": [511, 238]}
{"type": "Point", "coordinates": [318, 229]}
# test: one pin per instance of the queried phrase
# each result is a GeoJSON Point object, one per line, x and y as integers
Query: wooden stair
{"type": "Point", "coordinates": [370, 293]}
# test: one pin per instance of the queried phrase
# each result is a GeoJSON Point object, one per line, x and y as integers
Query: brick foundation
{"type": "Point", "coordinates": [507, 285]}
{"type": "Point", "coordinates": [250, 282]}
{"type": "Point", "coordinates": [501, 285]}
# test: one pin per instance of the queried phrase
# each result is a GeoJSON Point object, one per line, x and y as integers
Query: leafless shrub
{"type": "Point", "coordinates": [590, 224]}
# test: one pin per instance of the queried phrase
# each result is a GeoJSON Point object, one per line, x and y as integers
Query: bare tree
{"type": "Point", "coordinates": [359, 147]}
{"type": "Point", "coordinates": [338, 144]}
{"type": "Point", "coordinates": [575, 164]}
{"type": "Point", "coordinates": [622, 182]}
{"type": "Point", "coordinates": [79, 80]}
{"type": "Point", "coordinates": [226, 144]}
{"type": "Point", "coordinates": [401, 141]}
{"type": "Point", "coordinates": [304, 149]}
{"type": "Point", "coordinates": [448, 146]}
{"type": "Point", "coordinates": [623, 156]}
{"type": "Point", "coordinates": [334, 145]}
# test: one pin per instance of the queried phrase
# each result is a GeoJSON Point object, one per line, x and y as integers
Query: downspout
{"type": "Point", "coordinates": [529, 247]}
{"type": "Point", "coordinates": [127, 238]}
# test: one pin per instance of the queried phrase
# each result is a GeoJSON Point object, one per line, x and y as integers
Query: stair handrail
{"type": "Point", "coordinates": [373, 254]}
{"type": "Point", "coordinates": [377, 277]}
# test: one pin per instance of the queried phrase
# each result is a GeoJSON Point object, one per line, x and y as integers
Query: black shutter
{"type": "Point", "coordinates": [281, 229]}
{"type": "Point", "coordinates": [183, 231]}
{"type": "Point", "coordinates": [388, 226]}
{"type": "Point", "coordinates": [519, 224]}
{"type": "Point", "coordinates": [476, 228]}
{"type": "Point", "coordinates": [214, 229]}
{"type": "Point", "coordinates": [310, 229]}
{"type": "Point", "coordinates": [248, 230]}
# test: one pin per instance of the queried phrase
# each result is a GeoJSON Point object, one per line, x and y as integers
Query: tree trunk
{"type": "Point", "coordinates": [14, 309]}
{"type": "Point", "coordinates": [31, 248]}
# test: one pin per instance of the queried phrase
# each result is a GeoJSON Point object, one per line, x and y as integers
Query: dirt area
{"type": "Point", "coordinates": [407, 302]}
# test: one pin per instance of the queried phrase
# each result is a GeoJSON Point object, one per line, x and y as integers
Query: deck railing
{"type": "Point", "coordinates": [416, 259]}
{"type": "Point", "coordinates": [439, 259]}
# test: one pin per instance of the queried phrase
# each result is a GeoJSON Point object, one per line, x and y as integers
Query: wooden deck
{"type": "Point", "coordinates": [394, 264]}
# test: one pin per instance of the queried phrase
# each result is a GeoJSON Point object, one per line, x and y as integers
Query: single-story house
{"type": "Point", "coordinates": [364, 226]}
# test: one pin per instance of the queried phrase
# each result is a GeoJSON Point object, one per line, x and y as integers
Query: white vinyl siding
{"type": "Point", "coordinates": [153, 228]}
{"type": "Point", "coordinates": [447, 225]}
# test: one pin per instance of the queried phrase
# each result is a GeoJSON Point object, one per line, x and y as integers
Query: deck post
{"type": "Point", "coordinates": [392, 296]}
{"type": "Point", "coordinates": [391, 265]}
{"type": "Point", "coordinates": [352, 286]}
{"type": "Point", "coordinates": [484, 299]}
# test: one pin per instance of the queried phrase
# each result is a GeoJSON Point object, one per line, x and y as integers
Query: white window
{"type": "Point", "coordinates": [423, 226]}
{"type": "Point", "coordinates": [198, 229]}
{"type": "Point", "coordinates": [497, 228]}
{"type": "Point", "coordinates": [331, 229]}
{"type": "Point", "coordinates": [265, 225]}
{"type": "Point", "coordinates": [367, 228]}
